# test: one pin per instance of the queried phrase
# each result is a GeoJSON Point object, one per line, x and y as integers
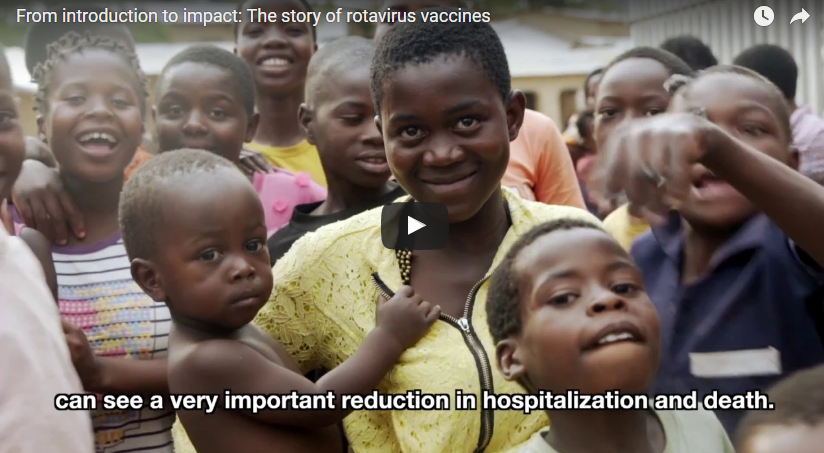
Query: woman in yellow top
{"type": "Point", "coordinates": [447, 114]}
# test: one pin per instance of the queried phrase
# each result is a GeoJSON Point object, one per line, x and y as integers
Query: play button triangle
{"type": "Point", "coordinates": [413, 225]}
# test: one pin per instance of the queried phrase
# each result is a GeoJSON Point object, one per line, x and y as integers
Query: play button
{"type": "Point", "coordinates": [426, 226]}
{"type": "Point", "coordinates": [413, 225]}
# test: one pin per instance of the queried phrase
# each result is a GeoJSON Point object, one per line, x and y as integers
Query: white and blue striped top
{"type": "Point", "coordinates": [96, 292]}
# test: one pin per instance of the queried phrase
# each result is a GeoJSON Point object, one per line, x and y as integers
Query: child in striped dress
{"type": "Point", "coordinates": [93, 122]}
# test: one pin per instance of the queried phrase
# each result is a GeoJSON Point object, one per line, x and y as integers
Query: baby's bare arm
{"type": "Point", "coordinates": [114, 375]}
{"type": "Point", "coordinates": [223, 364]}
{"type": "Point", "coordinates": [288, 361]}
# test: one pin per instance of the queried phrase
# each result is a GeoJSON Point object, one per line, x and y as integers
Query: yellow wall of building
{"type": "Point", "coordinates": [549, 92]}
{"type": "Point", "coordinates": [25, 108]}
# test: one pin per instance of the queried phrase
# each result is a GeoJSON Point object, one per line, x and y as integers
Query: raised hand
{"type": "Point", "coordinates": [650, 161]}
{"type": "Point", "coordinates": [406, 317]}
{"type": "Point", "coordinates": [252, 162]}
{"type": "Point", "coordinates": [85, 361]}
{"type": "Point", "coordinates": [44, 204]}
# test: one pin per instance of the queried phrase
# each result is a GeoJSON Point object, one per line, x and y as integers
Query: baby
{"type": "Point", "coordinates": [195, 233]}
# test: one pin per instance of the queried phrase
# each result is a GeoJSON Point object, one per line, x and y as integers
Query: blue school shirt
{"type": "Point", "coordinates": [754, 318]}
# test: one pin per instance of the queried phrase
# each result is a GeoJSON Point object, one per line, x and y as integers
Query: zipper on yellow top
{"type": "Point", "coordinates": [475, 347]}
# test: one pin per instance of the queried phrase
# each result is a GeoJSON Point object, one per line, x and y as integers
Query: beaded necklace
{"type": "Point", "coordinates": [405, 256]}
{"type": "Point", "coordinates": [405, 263]}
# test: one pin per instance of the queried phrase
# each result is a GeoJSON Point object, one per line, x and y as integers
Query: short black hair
{"type": "Point", "coordinates": [670, 61]}
{"type": "Point", "coordinates": [236, 26]}
{"type": "Point", "coordinates": [592, 74]}
{"type": "Point", "coordinates": [774, 63]}
{"type": "Point", "coordinates": [73, 43]}
{"type": "Point", "coordinates": [141, 200]}
{"type": "Point", "coordinates": [39, 35]}
{"type": "Point", "coordinates": [419, 42]}
{"type": "Point", "coordinates": [783, 112]}
{"type": "Point", "coordinates": [798, 400]}
{"type": "Point", "coordinates": [340, 55]}
{"type": "Point", "coordinates": [207, 54]}
{"type": "Point", "coordinates": [692, 50]}
{"type": "Point", "coordinates": [503, 313]}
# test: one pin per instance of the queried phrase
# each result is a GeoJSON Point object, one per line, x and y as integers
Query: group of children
{"type": "Point", "coordinates": [282, 154]}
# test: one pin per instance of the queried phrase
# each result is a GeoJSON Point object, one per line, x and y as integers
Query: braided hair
{"type": "Point", "coordinates": [73, 43]}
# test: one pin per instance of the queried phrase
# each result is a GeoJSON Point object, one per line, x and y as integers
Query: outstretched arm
{"type": "Point", "coordinates": [37, 150]}
{"type": "Point", "coordinates": [43, 203]}
{"type": "Point", "coordinates": [117, 376]}
{"type": "Point", "coordinates": [794, 202]}
{"type": "Point", "coordinates": [236, 366]}
{"type": "Point", "coordinates": [651, 160]}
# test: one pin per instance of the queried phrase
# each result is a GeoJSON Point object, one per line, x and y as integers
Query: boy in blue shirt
{"type": "Point", "coordinates": [733, 269]}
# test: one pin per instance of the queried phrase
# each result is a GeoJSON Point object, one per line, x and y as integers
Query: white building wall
{"type": "Point", "coordinates": [727, 26]}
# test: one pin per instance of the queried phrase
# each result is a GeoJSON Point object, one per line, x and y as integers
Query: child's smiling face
{"type": "Point", "coordinates": [447, 131]}
{"type": "Point", "coordinates": [749, 110]}
{"type": "Point", "coordinates": [343, 129]}
{"type": "Point", "coordinates": [632, 88]}
{"type": "Point", "coordinates": [198, 108]}
{"type": "Point", "coordinates": [278, 53]}
{"type": "Point", "coordinates": [94, 117]}
{"type": "Point", "coordinates": [12, 146]}
{"type": "Point", "coordinates": [586, 321]}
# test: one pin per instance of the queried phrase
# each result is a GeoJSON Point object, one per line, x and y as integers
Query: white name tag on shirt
{"type": "Point", "coordinates": [746, 362]}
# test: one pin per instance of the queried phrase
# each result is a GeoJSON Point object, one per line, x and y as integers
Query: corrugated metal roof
{"type": "Point", "coordinates": [534, 53]}
{"type": "Point", "coordinates": [591, 14]}
{"type": "Point", "coordinates": [647, 9]}
{"type": "Point", "coordinates": [727, 27]}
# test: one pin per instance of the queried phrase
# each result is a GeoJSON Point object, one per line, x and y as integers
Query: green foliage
{"type": "Point", "coordinates": [11, 35]}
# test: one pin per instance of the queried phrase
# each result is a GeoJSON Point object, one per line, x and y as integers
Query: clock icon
{"type": "Point", "coordinates": [764, 16]}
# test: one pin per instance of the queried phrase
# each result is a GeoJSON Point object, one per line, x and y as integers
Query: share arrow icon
{"type": "Point", "coordinates": [803, 16]}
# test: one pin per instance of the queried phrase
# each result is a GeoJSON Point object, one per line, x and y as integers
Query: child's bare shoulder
{"type": "Point", "coordinates": [260, 339]}
{"type": "Point", "coordinates": [216, 361]}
